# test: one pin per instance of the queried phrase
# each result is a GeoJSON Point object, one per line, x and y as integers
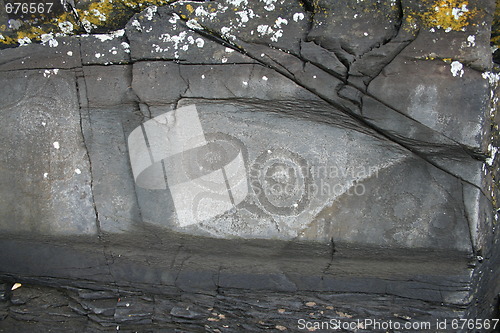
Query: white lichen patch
{"type": "Point", "coordinates": [457, 69]}
{"type": "Point", "coordinates": [126, 47]}
{"type": "Point", "coordinates": [492, 151]}
{"type": "Point", "coordinates": [88, 26]}
{"type": "Point", "coordinates": [193, 24]}
{"type": "Point", "coordinates": [201, 11]}
{"type": "Point", "coordinates": [103, 37]}
{"type": "Point", "coordinates": [49, 72]}
{"type": "Point", "coordinates": [471, 41]}
{"type": "Point", "coordinates": [264, 29]}
{"type": "Point", "coordinates": [49, 38]}
{"type": "Point", "coordinates": [269, 4]}
{"type": "Point", "coordinates": [459, 12]}
{"type": "Point", "coordinates": [243, 16]}
{"type": "Point", "coordinates": [150, 12]}
{"type": "Point", "coordinates": [69, 53]}
{"type": "Point", "coordinates": [98, 14]}
{"type": "Point", "coordinates": [137, 25]}
{"type": "Point", "coordinates": [98, 55]}
{"type": "Point", "coordinates": [265, 78]}
{"type": "Point", "coordinates": [56, 145]}
{"type": "Point", "coordinates": [45, 175]}
{"type": "Point", "coordinates": [174, 18]}
{"type": "Point", "coordinates": [110, 36]}
{"type": "Point", "coordinates": [174, 39]}
{"type": "Point", "coordinates": [226, 32]}
{"type": "Point", "coordinates": [492, 78]}
{"type": "Point", "coordinates": [66, 27]}
{"type": "Point", "coordinates": [237, 3]}
{"type": "Point", "coordinates": [277, 35]}
{"type": "Point", "coordinates": [298, 17]}
{"type": "Point", "coordinates": [15, 24]}
{"type": "Point", "coordinates": [199, 42]}
{"type": "Point", "coordinates": [156, 48]}
{"type": "Point", "coordinates": [78, 171]}
{"type": "Point", "coordinates": [24, 41]}
{"type": "Point", "coordinates": [280, 21]}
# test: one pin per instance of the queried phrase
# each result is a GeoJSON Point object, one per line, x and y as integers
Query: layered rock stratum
{"type": "Point", "coordinates": [235, 165]}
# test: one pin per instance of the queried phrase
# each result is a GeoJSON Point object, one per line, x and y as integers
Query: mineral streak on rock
{"type": "Point", "coordinates": [350, 150]}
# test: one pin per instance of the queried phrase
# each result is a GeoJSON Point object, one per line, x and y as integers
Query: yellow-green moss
{"type": "Point", "coordinates": [495, 29]}
{"type": "Point", "coordinates": [449, 15]}
{"type": "Point", "coordinates": [98, 16]}
{"type": "Point", "coordinates": [104, 14]}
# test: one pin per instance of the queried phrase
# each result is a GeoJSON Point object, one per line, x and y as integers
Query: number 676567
{"type": "Point", "coordinates": [28, 8]}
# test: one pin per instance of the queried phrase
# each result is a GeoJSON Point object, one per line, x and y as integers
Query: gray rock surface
{"type": "Point", "coordinates": [343, 154]}
{"type": "Point", "coordinates": [33, 56]}
{"type": "Point", "coordinates": [46, 180]}
{"type": "Point", "coordinates": [105, 49]}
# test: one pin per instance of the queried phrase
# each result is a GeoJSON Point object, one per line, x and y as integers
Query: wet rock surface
{"type": "Point", "coordinates": [77, 310]}
{"type": "Point", "coordinates": [239, 289]}
{"type": "Point", "coordinates": [351, 156]}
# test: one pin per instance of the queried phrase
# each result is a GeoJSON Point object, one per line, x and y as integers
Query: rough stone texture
{"type": "Point", "coordinates": [45, 178]}
{"type": "Point", "coordinates": [81, 310]}
{"type": "Point", "coordinates": [65, 55]}
{"type": "Point", "coordinates": [105, 49]}
{"type": "Point", "coordinates": [450, 110]}
{"type": "Point", "coordinates": [384, 111]}
{"type": "Point", "coordinates": [116, 203]}
{"type": "Point", "coordinates": [108, 86]}
{"type": "Point", "coordinates": [160, 34]}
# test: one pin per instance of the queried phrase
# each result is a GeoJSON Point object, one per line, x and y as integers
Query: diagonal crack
{"type": "Point", "coordinates": [244, 48]}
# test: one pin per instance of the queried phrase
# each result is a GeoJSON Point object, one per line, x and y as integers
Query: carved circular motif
{"type": "Point", "coordinates": [281, 181]}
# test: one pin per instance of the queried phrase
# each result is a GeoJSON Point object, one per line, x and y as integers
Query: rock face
{"type": "Point", "coordinates": [301, 151]}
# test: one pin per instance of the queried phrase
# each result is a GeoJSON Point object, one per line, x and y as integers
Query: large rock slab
{"type": "Point", "coordinates": [63, 52]}
{"type": "Point", "coordinates": [448, 98]}
{"type": "Point", "coordinates": [45, 178]}
{"type": "Point", "coordinates": [321, 149]}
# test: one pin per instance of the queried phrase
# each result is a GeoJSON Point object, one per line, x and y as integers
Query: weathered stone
{"type": "Point", "coordinates": [279, 23]}
{"type": "Point", "coordinates": [105, 49]}
{"type": "Point", "coordinates": [249, 164]}
{"type": "Point", "coordinates": [350, 30]}
{"type": "Point", "coordinates": [450, 102]}
{"type": "Point", "coordinates": [114, 193]}
{"type": "Point", "coordinates": [463, 38]}
{"type": "Point", "coordinates": [65, 53]}
{"type": "Point", "coordinates": [133, 309]}
{"type": "Point", "coordinates": [159, 33]}
{"type": "Point", "coordinates": [158, 82]}
{"type": "Point", "coordinates": [108, 85]}
{"type": "Point", "coordinates": [45, 179]}
{"type": "Point", "coordinates": [163, 83]}
{"type": "Point", "coordinates": [188, 312]}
